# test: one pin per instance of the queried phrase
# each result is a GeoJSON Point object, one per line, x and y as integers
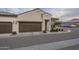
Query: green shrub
{"type": "Point", "coordinates": [53, 30]}
{"type": "Point", "coordinates": [61, 30]}
{"type": "Point", "coordinates": [56, 30]}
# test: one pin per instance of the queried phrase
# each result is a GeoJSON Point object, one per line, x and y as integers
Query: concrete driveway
{"type": "Point", "coordinates": [53, 46]}
{"type": "Point", "coordinates": [26, 41]}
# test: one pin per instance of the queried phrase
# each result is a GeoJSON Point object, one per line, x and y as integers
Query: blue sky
{"type": "Point", "coordinates": [62, 13]}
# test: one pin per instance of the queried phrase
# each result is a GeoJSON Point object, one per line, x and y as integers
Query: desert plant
{"type": "Point", "coordinates": [44, 31]}
{"type": "Point", "coordinates": [62, 30]}
{"type": "Point", "coordinates": [14, 33]}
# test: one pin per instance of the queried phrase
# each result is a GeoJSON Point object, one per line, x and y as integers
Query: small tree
{"type": "Point", "coordinates": [55, 22]}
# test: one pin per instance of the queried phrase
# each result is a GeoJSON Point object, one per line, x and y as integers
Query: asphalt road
{"type": "Point", "coordinates": [25, 41]}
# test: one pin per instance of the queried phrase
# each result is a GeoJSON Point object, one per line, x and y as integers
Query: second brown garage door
{"type": "Point", "coordinates": [30, 26]}
{"type": "Point", "coordinates": [5, 27]}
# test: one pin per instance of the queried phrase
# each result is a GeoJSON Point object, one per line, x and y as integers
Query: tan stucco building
{"type": "Point", "coordinates": [31, 21]}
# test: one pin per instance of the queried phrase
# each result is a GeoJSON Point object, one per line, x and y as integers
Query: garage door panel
{"type": "Point", "coordinates": [29, 26]}
{"type": "Point", "coordinates": [5, 27]}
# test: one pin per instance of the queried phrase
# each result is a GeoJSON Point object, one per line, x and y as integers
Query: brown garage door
{"type": "Point", "coordinates": [5, 27]}
{"type": "Point", "coordinates": [29, 26]}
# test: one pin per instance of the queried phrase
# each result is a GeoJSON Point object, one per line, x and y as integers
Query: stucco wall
{"type": "Point", "coordinates": [46, 17]}
{"type": "Point", "coordinates": [13, 20]}
{"type": "Point", "coordinates": [33, 16]}
{"type": "Point", "coordinates": [36, 16]}
{"type": "Point", "coordinates": [7, 19]}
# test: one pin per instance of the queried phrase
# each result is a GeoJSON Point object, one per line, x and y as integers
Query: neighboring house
{"type": "Point", "coordinates": [74, 21]}
{"type": "Point", "coordinates": [31, 21]}
{"type": "Point", "coordinates": [54, 21]}
{"type": "Point", "coordinates": [65, 24]}
{"type": "Point", "coordinates": [71, 23]}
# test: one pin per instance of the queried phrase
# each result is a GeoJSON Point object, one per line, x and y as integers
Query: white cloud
{"type": "Point", "coordinates": [65, 14]}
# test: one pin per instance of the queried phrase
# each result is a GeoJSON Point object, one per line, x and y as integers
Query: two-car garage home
{"type": "Point", "coordinates": [31, 21]}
